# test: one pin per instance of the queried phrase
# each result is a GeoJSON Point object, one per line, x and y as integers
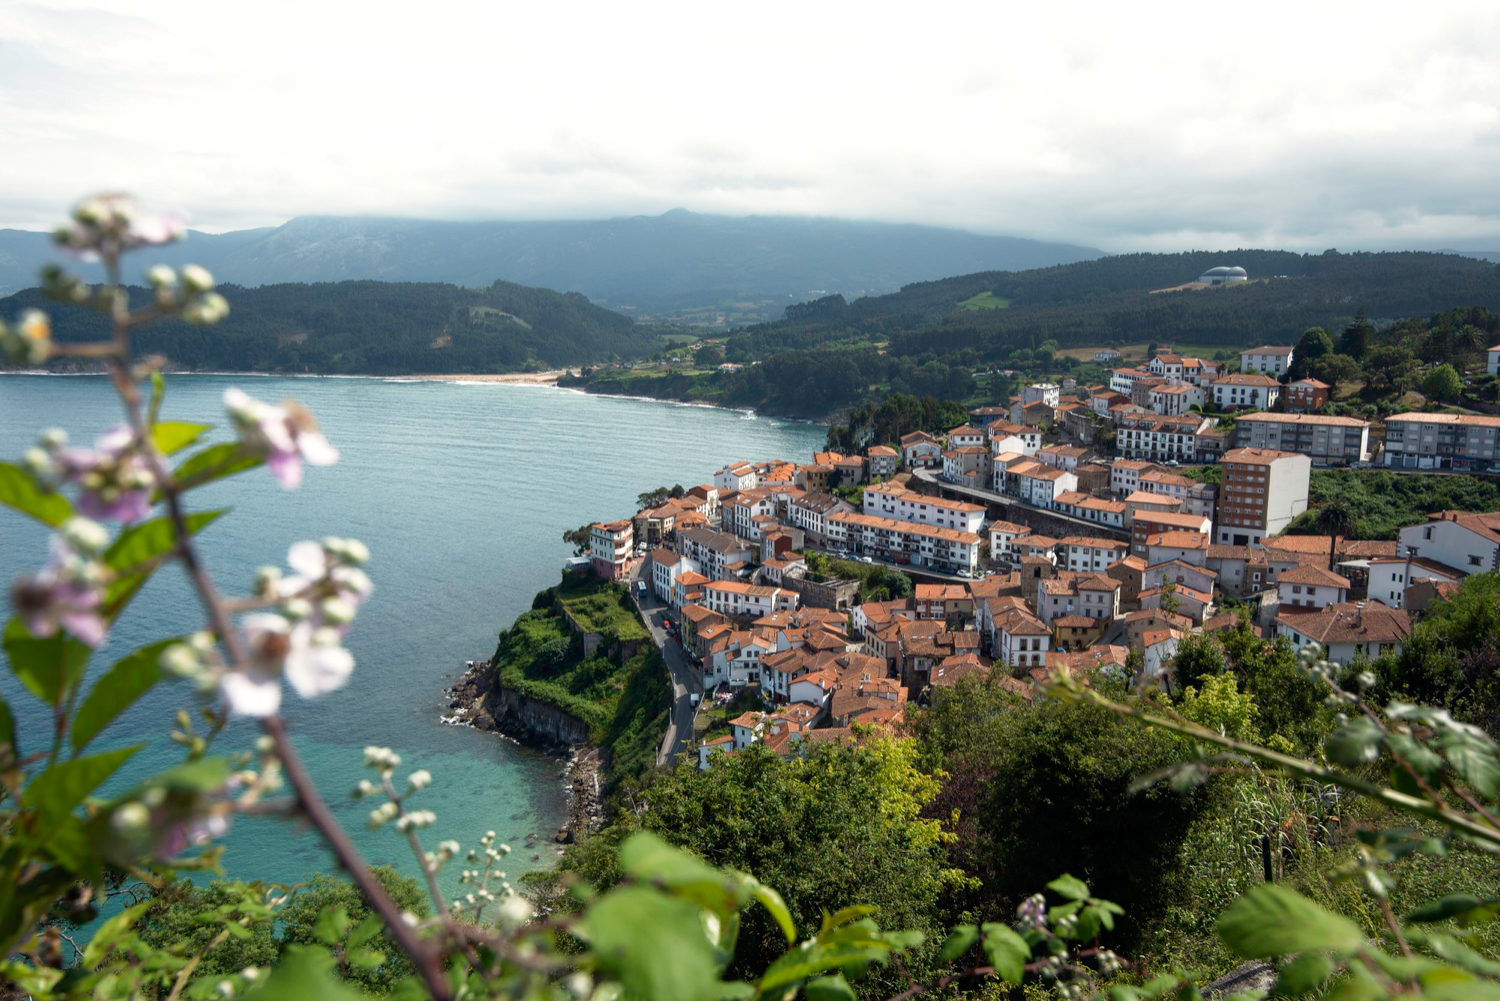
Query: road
{"type": "Point", "coordinates": [990, 497]}
{"type": "Point", "coordinates": [687, 680]}
{"type": "Point", "coordinates": [910, 569]}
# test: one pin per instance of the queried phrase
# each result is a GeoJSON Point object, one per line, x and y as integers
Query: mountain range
{"type": "Point", "coordinates": [680, 266]}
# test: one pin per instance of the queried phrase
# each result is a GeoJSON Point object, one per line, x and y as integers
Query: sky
{"type": "Point", "coordinates": [1121, 126]}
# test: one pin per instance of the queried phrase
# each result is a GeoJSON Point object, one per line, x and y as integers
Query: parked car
{"type": "Point", "coordinates": [694, 698]}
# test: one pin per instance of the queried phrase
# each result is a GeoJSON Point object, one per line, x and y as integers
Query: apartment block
{"type": "Point", "coordinates": [1327, 441]}
{"type": "Point", "coordinates": [1442, 441]}
{"type": "Point", "coordinates": [1261, 491]}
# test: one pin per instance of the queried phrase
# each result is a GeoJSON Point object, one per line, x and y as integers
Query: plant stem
{"type": "Point", "coordinates": [428, 962]}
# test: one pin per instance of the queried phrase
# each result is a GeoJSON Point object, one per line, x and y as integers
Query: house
{"type": "Point", "coordinates": [740, 512]}
{"type": "Point", "coordinates": [1125, 475]}
{"type": "Point", "coordinates": [1095, 509]}
{"type": "Point", "coordinates": [1180, 544]}
{"type": "Point", "coordinates": [1106, 355]}
{"type": "Point", "coordinates": [1274, 361]}
{"type": "Point", "coordinates": [1002, 534]}
{"type": "Point", "coordinates": [811, 511]}
{"type": "Point", "coordinates": [1007, 436]}
{"type": "Point", "coordinates": [1323, 438]}
{"type": "Point", "coordinates": [1167, 365]}
{"type": "Point", "coordinates": [1147, 524]}
{"type": "Point", "coordinates": [1020, 638]}
{"type": "Point", "coordinates": [1443, 441]}
{"type": "Point", "coordinates": [951, 670]}
{"type": "Point", "coordinates": [735, 477]}
{"type": "Point", "coordinates": [944, 549]}
{"type": "Point", "coordinates": [968, 466]}
{"type": "Point", "coordinates": [687, 589]}
{"type": "Point", "coordinates": [965, 436]}
{"type": "Point", "coordinates": [721, 744]}
{"type": "Point", "coordinates": [1160, 647]}
{"type": "Point", "coordinates": [1123, 380]}
{"type": "Point", "coordinates": [985, 416]}
{"type": "Point", "coordinates": [1240, 570]}
{"type": "Point", "coordinates": [735, 599]}
{"type": "Point", "coordinates": [1191, 603]}
{"type": "Point", "coordinates": [1492, 362]}
{"type": "Point", "coordinates": [1091, 553]}
{"type": "Point", "coordinates": [1131, 573]}
{"type": "Point", "coordinates": [1182, 573]}
{"type": "Point", "coordinates": [1390, 579]}
{"type": "Point", "coordinates": [920, 450]}
{"type": "Point", "coordinates": [1309, 586]}
{"type": "Point", "coordinates": [1175, 398]}
{"type": "Point", "coordinates": [1038, 485]}
{"type": "Point", "coordinates": [1162, 439]}
{"type": "Point", "coordinates": [889, 501]}
{"type": "Point", "coordinates": [1139, 624]}
{"type": "Point", "coordinates": [717, 555]}
{"type": "Point", "coordinates": [1307, 394]}
{"type": "Point", "coordinates": [1040, 392]}
{"type": "Point", "coordinates": [1467, 542]}
{"type": "Point", "coordinates": [666, 567]}
{"type": "Point", "coordinates": [1095, 595]}
{"type": "Point", "coordinates": [611, 545]}
{"type": "Point", "coordinates": [1077, 632]}
{"type": "Point", "coordinates": [1064, 457]}
{"type": "Point", "coordinates": [1347, 631]}
{"type": "Point", "coordinates": [943, 601]}
{"type": "Point", "coordinates": [1246, 391]}
{"type": "Point", "coordinates": [884, 461]}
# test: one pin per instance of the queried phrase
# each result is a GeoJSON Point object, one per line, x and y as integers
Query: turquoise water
{"type": "Point", "coordinates": [462, 492]}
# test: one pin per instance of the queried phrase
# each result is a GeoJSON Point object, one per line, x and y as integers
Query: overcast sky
{"type": "Point", "coordinates": [1123, 126]}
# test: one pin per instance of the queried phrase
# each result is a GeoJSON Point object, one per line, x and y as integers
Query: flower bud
{"type": "Point", "coordinates": [53, 439]}
{"type": "Point", "coordinates": [90, 212]}
{"type": "Point", "coordinates": [420, 780]}
{"type": "Point", "coordinates": [196, 279]}
{"type": "Point", "coordinates": [337, 611]}
{"type": "Point", "coordinates": [161, 276]}
{"type": "Point", "coordinates": [37, 463]}
{"type": "Point", "coordinates": [130, 820]}
{"type": "Point", "coordinates": [514, 911]}
{"type": "Point", "coordinates": [266, 580]}
{"type": "Point", "coordinates": [297, 609]}
{"type": "Point", "coordinates": [206, 310]}
{"type": "Point", "coordinates": [180, 661]}
{"type": "Point", "coordinates": [364, 788]}
{"type": "Point", "coordinates": [84, 535]}
{"type": "Point", "coordinates": [202, 641]}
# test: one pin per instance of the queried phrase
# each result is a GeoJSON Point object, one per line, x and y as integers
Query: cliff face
{"type": "Point", "coordinates": [485, 704]}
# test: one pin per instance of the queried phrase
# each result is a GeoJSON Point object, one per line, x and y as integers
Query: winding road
{"type": "Point", "coordinates": [687, 680]}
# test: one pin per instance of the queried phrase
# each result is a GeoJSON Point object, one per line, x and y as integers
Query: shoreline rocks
{"type": "Point", "coordinates": [477, 699]}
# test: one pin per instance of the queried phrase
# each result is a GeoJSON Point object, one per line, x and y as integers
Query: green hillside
{"type": "Point", "coordinates": [379, 328]}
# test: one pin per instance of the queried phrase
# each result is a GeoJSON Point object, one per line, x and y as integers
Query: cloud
{"type": "Point", "coordinates": [1125, 127]}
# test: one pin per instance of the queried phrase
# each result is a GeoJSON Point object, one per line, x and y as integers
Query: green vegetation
{"type": "Point", "coordinates": [623, 694]}
{"type": "Point", "coordinates": [378, 328]}
{"type": "Point", "coordinates": [876, 582]}
{"type": "Point", "coordinates": [984, 300]}
{"type": "Point", "coordinates": [1382, 502]}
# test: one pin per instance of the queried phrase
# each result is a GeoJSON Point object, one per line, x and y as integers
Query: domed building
{"type": "Point", "coordinates": [1223, 276]}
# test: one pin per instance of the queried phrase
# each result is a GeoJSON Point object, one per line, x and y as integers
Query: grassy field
{"type": "Point", "coordinates": [599, 607]}
{"type": "Point", "coordinates": [984, 300]}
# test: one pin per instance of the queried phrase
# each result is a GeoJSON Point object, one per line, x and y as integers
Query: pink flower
{"type": "Point", "coordinates": [284, 435]}
{"type": "Point", "coordinates": [111, 222]}
{"type": "Point", "coordinates": [113, 478]}
{"type": "Point", "coordinates": [66, 595]}
{"type": "Point", "coordinates": [309, 658]}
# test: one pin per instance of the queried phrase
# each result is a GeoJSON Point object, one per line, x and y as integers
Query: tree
{"type": "Point", "coordinates": [1315, 343]}
{"type": "Point", "coordinates": [1355, 340]}
{"type": "Point", "coordinates": [1391, 370]}
{"type": "Point", "coordinates": [1220, 705]}
{"type": "Point", "coordinates": [1337, 370]}
{"type": "Point", "coordinates": [709, 356]}
{"type": "Point", "coordinates": [1443, 383]}
{"type": "Point", "coordinates": [578, 538]}
{"type": "Point", "coordinates": [1335, 519]}
{"type": "Point", "coordinates": [299, 921]}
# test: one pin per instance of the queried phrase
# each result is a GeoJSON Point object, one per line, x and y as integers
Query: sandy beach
{"type": "Point", "coordinates": [525, 378]}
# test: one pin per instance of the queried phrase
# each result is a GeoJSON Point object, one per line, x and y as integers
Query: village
{"type": "Point", "coordinates": [1057, 532]}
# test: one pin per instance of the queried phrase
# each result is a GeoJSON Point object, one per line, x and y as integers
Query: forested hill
{"type": "Point", "coordinates": [378, 328]}
{"type": "Point", "coordinates": [683, 265]}
{"type": "Point", "coordinates": [1115, 300]}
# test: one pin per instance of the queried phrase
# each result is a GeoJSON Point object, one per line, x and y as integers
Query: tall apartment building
{"type": "Point", "coordinates": [1328, 441]}
{"type": "Point", "coordinates": [904, 505]}
{"type": "Point", "coordinates": [1266, 360]}
{"type": "Point", "coordinates": [610, 546]}
{"type": "Point", "coordinates": [1442, 441]}
{"type": "Point", "coordinates": [1261, 491]}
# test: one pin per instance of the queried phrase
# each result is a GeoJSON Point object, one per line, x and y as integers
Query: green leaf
{"type": "Point", "coordinates": [215, 463]}
{"type": "Point", "coordinates": [366, 959]}
{"type": "Point", "coordinates": [8, 729]}
{"type": "Point", "coordinates": [1423, 759]}
{"type": "Point", "coordinates": [55, 793]}
{"type": "Point", "coordinates": [1007, 952]}
{"type": "Point", "coordinates": [651, 860]}
{"type": "Point", "coordinates": [1070, 887]}
{"type": "Point", "coordinates": [140, 543]}
{"type": "Point", "coordinates": [772, 902]}
{"type": "Point", "coordinates": [331, 925]}
{"type": "Point", "coordinates": [654, 944]}
{"type": "Point", "coordinates": [1465, 907]}
{"type": "Point", "coordinates": [304, 972]}
{"type": "Point", "coordinates": [1357, 742]}
{"type": "Point", "coordinates": [833, 988]}
{"type": "Point", "coordinates": [1458, 953]}
{"type": "Point", "coordinates": [109, 933]}
{"type": "Point", "coordinates": [1271, 920]}
{"type": "Point", "coordinates": [959, 941]}
{"type": "Point", "coordinates": [1302, 975]}
{"type": "Point", "coordinates": [49, 667]}
{"type": "Point", "coordinates": [1472, 756]}
{"type": "Point", "coordinates": [18, 490]}
{"type": "Point", "coordinates": [117, 690]}
{"type": "Point", "coordinates": [364, 931]}
{"type": "Point", "coordinates": [174, 436]}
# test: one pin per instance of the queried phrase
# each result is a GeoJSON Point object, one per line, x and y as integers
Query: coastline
{"type": "Point", "coordinates": [474, 701]}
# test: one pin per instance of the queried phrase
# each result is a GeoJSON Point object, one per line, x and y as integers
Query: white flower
{"type": "Point", "coordinates": [284, 435]}
{"type": "Point", "coordinates": [514, 910]}
{"type": "Point", "coordinates": [311, 665]}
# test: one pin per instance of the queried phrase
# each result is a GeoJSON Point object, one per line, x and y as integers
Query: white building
{"type": "Point", "coordinates": [1175, 398]}
{"type": "Point", "coordinates": [735, 599]}
{"type": "Point", "coordinates": [1040, 392]}
{"type": "Point", "coordinates": [1039, 485]}
{"type": "Point", "coordinates": [965, 436]}
{"type": "Point", "coordinates": [1266, 360]}
{"type": "Point", "coordinates": [1467, 542]}
{"type": "Point", "coordinates": [1389, 578]}
{"type": "Point", "coordinates": [666, 567]}
{"type": "Point", "coordinates": [944, 549]}
{"type": "Point", "coordinates": [1021, 639]}
{"type": "Point", "coordinates": [1091, 553]}
{"type": "Point", "coordinates": [904, 505]}
{"type": "Point", "coordinates": [1326, 440]}
{"type": "Point", "coordinates": [735, 477]}
{"type": "Point", "coordinates": [1492, 365]}
{"type": "Point", "coordinates": [718, 555]}
{"type": "Point", "coordinates": [1311, 586]}
{"type": "Point", "coordinates": [1346, 631]}
{"type": "Point", "coordinates": [1125, 475]}
{"type": "Point", "coordinates": [1246, 390]}
{"type": "Point", "coordinates": [1002, 535]}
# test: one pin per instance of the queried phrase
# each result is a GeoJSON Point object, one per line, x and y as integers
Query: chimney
{"type": "Point", "coordinates": [1359, 613]}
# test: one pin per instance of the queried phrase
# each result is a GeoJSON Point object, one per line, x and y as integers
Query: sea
{"type": "Point", "coordinates": [462, 492]}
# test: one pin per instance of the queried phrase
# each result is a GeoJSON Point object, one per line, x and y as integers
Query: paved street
{"type": "Point", "coordinates": [686, 679]}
